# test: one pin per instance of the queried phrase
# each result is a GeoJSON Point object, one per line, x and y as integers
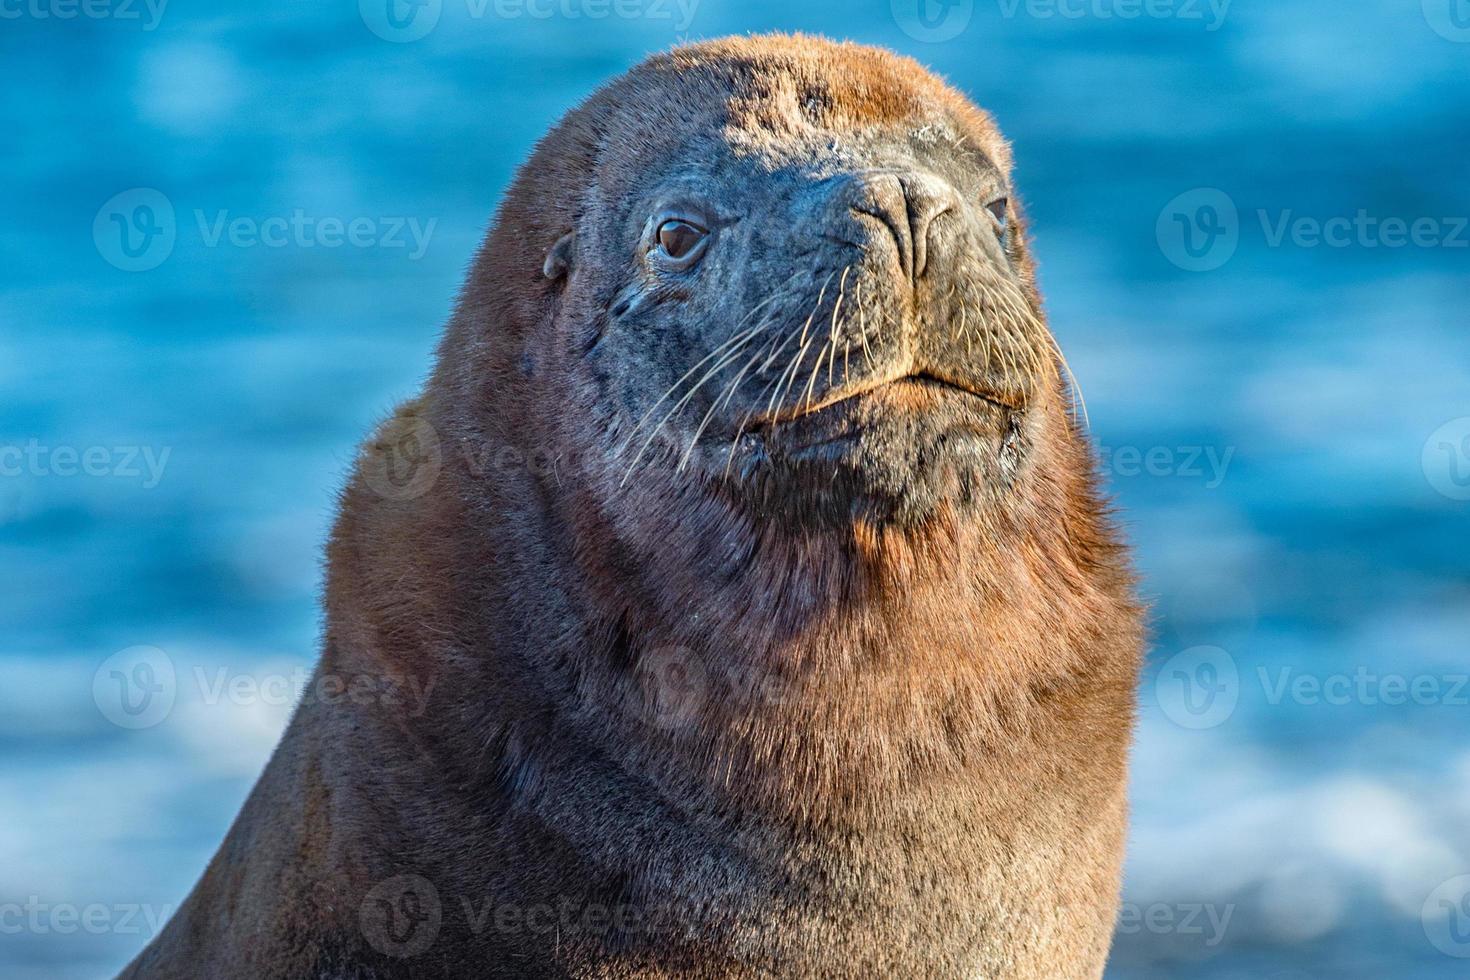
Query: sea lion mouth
{"type": "Point", "coordinates": [920, 380]}
{"type": "Point", "coordinates": [891, 451]}
{"type": "Point", "coordinates": [917, 405]}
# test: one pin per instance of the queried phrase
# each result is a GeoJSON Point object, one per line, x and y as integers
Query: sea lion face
{"type": "Point", "coordinates": [803, 286]}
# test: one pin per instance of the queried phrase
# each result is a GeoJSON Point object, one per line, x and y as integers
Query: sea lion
{"type": "Point", "coordinates": [751, 554]}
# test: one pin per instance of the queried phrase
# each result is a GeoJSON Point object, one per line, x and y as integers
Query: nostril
{"type": "Point", "coordinates": [897, 228]}
{"type": "Point", "coordinates": [881, 196]}
{"type": "Point", "coordinates": [907, 204]}
{"type": "Point", "coordinates": [922, 224]}
{"type": "Point", "coordinates": [926, 198]}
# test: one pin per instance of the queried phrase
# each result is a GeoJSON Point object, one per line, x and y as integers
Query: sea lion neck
{"type": "Point", "coordinates": [677, 645]}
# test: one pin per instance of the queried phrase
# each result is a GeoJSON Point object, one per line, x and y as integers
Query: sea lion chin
{"type": "Point", "coordinates": [769, 620]}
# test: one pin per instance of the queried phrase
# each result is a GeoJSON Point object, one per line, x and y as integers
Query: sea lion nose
{"type": "Point", "coordinates": [907, 204]}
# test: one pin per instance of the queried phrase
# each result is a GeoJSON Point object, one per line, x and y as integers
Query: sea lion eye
{"type": "Point", "coordinates": [998, 209]}
{"type": "Point", "coordinates": [678, 239]}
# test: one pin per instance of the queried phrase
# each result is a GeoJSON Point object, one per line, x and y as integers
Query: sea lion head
{"type": "Point", "coordinates": [784, 273]}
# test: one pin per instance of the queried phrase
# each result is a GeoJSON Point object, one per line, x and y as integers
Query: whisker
{"type": "Point", "coordinates": [811, 384]}
{"type": "Point", "coordinates": [863, 325]}
{"type": "Point", "coordinates": [1018, 314]}
{"type": "Point", "coordinates": [832, 331]}
{"type": "Point", "coordinates": [723, 362]}
{"type": "Point", "coordinates": [718, 403]}
{"type": "Point", "coordinates": [1074, 387]}
{"type": "Point", "coordinates": [1020, 309]}
{"type": "Point", "coordinates": [804, 346]}
{"type": "Point", "coordinates": [795, 366]}
{"type": "Point", "coordinates": [735, 338]}
{"type": "Point", "coordinates": [727, 352]}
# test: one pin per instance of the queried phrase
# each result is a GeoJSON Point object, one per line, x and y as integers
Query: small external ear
{"type": "Point", "coordinates": [559, 257]}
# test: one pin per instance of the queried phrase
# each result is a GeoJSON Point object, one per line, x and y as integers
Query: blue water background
{"type": "Point", "coordinates": [1327, 544]}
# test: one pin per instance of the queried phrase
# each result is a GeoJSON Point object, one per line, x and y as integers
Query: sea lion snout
{"type": "Point", "coordinates": [920, 255]}
{"type": "Point", "coordinates": [906, 204]}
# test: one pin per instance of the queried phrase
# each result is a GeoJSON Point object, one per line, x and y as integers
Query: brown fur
{"type": "Point", "coordinates": [894, 749]}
